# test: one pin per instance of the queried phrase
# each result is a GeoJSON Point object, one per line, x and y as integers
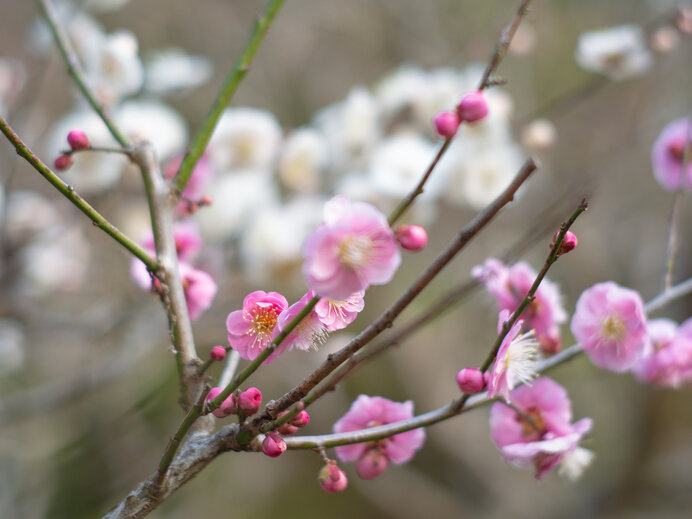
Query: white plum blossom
{"type": "Point", "coordinates": [302, 160]}
{"type": "Point", "coordinates": [28, 213]}
{"type": "Point", "coordinates": [174, 69]}
{"type": "Point", "coordinates": [273, 239]}
{"type": "Point", "coordinates": [12, 79]}
{"type": "Point", "coordinates": [618, 52]}
{"type": "Point", "coordinates": [156, 122]}
{"type": "Point", "coordinates": [351, 129]}
{"type": "Point", "coordinates": [241, 197]}
{"type": "Point", "coordinates": [245, 138]}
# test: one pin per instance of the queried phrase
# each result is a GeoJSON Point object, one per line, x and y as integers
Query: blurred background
{"type": "Point", "coordinates": [88, 386]}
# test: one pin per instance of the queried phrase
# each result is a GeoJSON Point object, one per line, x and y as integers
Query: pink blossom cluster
{"type": "Point", "coordinates": [541, 434]}
{"type": "Point", "coordinates": [668, 156]}
{"type": "Point", "coordinates": [199, 286]}
{"type": "Point", "coordinates": [266, 314]}
{"type": "Point", "coordinates": [373, 458]}
{"type": "Point", "coordinates": [509, 285]}
{"type": "Point", "coordinates": [667, 357]}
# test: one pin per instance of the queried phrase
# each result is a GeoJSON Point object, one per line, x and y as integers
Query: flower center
{"type": "Point", "coordinates": [263, 320]}
{"type": "Point", "coordinates": [532, 422]}
{"type": "Point", "coordinates": [613, 328]}
{"type": "Point", "coordinates": [676, 149]}
{"type": "Point", "coordinates": [354, 251]}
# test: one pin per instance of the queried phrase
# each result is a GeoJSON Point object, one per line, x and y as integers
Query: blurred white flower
{"type": "Point", "coordinates": [351, 129]}
{"type": "Point", "coordinates": [12, 79]}
{"type": "Point", "coordinates": [12, 339]}
{"type": "Point", "coordinates": [484, 175]}
{"type": "Point", "coordinates": [539, 135]}
{"type": "Point", "coordinates": [399, 162]}
{"type": "Point", "coordinates": [156, 122]}
{"type": "Point", "coordinates": [403, 94]}
{"type": "Point", "coordinates": [618, 53]}
{"type": "Point", "coordinates": [174, 69]}
{"type": "Point", "coordinates": [273, 240]}
{"type": "Point", "coordinates": [85, 33]}
{"type": "Point", "coordinates": [113, 68]}
{"type": "Point", "coordinates": [55, 261]}
{"type": "Point", "coordinates": [302, 160]}
{"type": "Point", "coordinates": [28, 213]}
{"type": "Point", "coordinates": [239, 198]}
{"type": "Point", "coordinates": [245, 138]}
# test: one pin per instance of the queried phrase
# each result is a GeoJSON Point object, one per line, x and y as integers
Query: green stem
{"type": "Point", "coordinates": [75, 70]}
{"type": "Point", "coordinates": [70, 193]}
{"type": "Point", "coordinates": [230, 85]}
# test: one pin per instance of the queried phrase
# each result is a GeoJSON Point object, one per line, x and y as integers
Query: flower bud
{"type": "Point", "coordinates": [473, 107]}
{"type": "Point", "coordinates": [301, 419]}
{"type": "Point", "coordinates": [287, 429]}
{"type": "Point", "coordinates": [332, 479]}
{"type": "Point", "coordinates": [78, 140]}
{"type": "Point", "coordinates": [63, 162]}
{"type": "Point", "coordinates": [471, 380]}
{"type": "Point", "coordinates": [372, 464]}
{"type": "Point", "coordinates": [249, 401]}
{"type": "Point", "coordinates": [569, 242]}
{"type": "Point", "coordinates": [218, 353]}
{"type": "Point", "coordinates": [446, 124]}
{"type": "Point", "coordinates": [411, 237]}
{"type": "Point", "coordinates": [273, 445]}
{"type": "Point", "coordinates": [227, 407]}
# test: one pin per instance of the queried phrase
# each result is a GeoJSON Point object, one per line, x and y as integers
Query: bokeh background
{"type": "Point", "coordinates": [89, 397]}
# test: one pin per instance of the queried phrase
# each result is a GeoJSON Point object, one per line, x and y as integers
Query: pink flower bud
{"type": "Point", "coordinates": [273, 445]}
{"type": "Point", "coordinates": [472, 107]}
{"type": "Point", "coordinates": [332, 479]}
{"type": "Point", "coordinates": [411, 237]}
{"type": "Point", "coordinates": [63, 162]}
{"type": "Point", "coordinates": [218, 353]}
{"type": "Point", "coordinates": [249, 401]}
{"type": "Point", "coordinates": [78, 140]}
{"type": "Point", "coordinates": [287, 429]}
{"type": "Point", "coordinates": [569, 242]}
{"type": "Point", "coordinates": [372, 464]}
{"type": "Point", "coordinates": [226, 408]}
{"type": "Point", "coordinates": [471, 380]}
{"type": "Point", "coordinates": [301, 419]}
{"type": "Point", "coordinates": [447, 124]}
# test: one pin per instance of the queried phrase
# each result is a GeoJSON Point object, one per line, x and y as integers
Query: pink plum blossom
{"type": "Point", "coordinates": [200, 289]}
{"type": "Point", "coordinates": [509, 286]}
{"type": "Point", "coordinates": [199, 179]}
{"type": "Point", "coordinates": [373, 411]}
{"type": "Point", "coordinates": [542, 437]}
{"type": "Point", "coordinates": [336, 315]}
{"type": "Point", "coordinates": [667, 156]}
{"type": "Point", "coordinates": [471, 380]}
{"type": "Point", "coordinates": [667, 359]}
{"type": "Point", "coordinates": [610, 325]}
{"type": "Point", "coordinates": [310, 332]}
{"type": "Point", "coordinates": [253, 328]}
{"type": "Point", "coordinates": [352, 249]}
{"type": "Point", "coordinates": [227, 407]}
{"type": "Point", "coordinates": [515, 362]}
{"type": "Point", "coordinates": [78, 140]}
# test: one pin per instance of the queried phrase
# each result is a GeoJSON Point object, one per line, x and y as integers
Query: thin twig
{"type": "Point", "coordinates": [70, 193]}
{"type": "Point", "coordinates": [172, 291]}
{"type": "Point", "coordinates": [233, 80]}
{"type": "Point", "coordinates": [230, 368]}
{"type": "Point", "coordinates": [75, 70]}
{"type": "Point", "coordinates": [503, 44]}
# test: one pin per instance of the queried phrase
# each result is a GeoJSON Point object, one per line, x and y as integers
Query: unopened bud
{"type": "Point", "coordinates": [226, 408]}
{"type": "Point", "coordinates": [411, 237]}
{"type": "Point", "coordinates": [301, 419]}
{"type": "Point", "coordinates": [205, 200]}
{"type": "Point", "coordinates": [472, 107]}
{"type": "Point", "coordinates": [249, 401]}
{"type": "Point", "coordinates": [218, 353]}
{"type": "Point", "coordinates": [78, 140]}
{"type": "Point", "coordinates": [372, 464]}
{"type": "Point", "coordinates": [569, 242]}
{"type": "Point", "coordinates": [63, 162]}
{"type": "Point", "coordinates": [471, 381]}
{"type": "Point", "coordinates": [446, 124]}
{"type": "Point", "coordinates": [549, 345]}
{"type": "Point", "coordinates": [332, 479]}
{"type": "Point", "coordinates": [273, 445]}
